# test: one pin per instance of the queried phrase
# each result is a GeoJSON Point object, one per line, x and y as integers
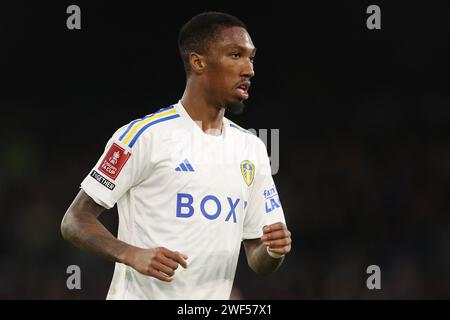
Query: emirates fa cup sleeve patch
{"type": "Point", "coordinates": [113, 162]}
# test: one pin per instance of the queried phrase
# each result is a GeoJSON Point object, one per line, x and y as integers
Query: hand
{"type": "Point", "coordinates": [277, 238]}
{"type": "Point", "coordinates": [159, 263]}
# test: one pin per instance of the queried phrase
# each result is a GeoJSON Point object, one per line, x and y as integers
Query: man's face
{"type": "Point", "coordinates": [230, 66]}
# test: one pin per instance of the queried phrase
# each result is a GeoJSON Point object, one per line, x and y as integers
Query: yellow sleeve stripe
{"type": "Point", "coordinates": [235, 124]}
{"type": "Point", "coordinates": [142, 123]}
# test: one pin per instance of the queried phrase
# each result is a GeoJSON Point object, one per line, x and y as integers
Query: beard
{"type": "Point", "coordinates": [235, 107]}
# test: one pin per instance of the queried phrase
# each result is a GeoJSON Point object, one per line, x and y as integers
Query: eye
{"type": "Point", "coordinates": [252, 59]}
{"type": "Point", "coordinates": [235, 55]}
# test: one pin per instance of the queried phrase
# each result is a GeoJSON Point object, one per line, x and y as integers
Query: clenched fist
{"type": "Point", "coordinates": [277, 238]}
{"type": "Point", "coordinates": [159, 263]}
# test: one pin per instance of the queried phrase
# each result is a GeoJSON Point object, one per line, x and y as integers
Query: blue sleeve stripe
{"type": "Point", "coordinates": [133, 141]}
{"type": "Point", "coordinates": [140, 119]}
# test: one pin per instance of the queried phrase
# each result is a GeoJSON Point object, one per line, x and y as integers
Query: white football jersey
{"type": "Point", "coordinates": [180, 188]}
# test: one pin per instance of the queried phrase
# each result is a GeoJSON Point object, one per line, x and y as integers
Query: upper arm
{"type": "Point", "coordinates": [83, 203]}
{"type": "Point", "coordinates": [264, 205]}
{"type": "Point", "coordinates": [82, 208]}
{"type": "Point", "coordinates": [119, 168]}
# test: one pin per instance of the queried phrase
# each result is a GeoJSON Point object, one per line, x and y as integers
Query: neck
{"type": "Point", "coordinates": [207, 114]}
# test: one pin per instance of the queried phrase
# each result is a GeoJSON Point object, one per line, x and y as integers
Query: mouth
{"type": "Point", "coordinates": [242, 89]}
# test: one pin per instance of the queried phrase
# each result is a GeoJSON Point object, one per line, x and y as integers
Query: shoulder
{"type": "Point", "coordinates": [237, 127]}
{"type": "Point", "coordinates": [142, 128]}
{"type": "Point", "coordinates": [250, 137]}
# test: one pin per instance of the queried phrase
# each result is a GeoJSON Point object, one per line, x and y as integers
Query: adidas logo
{"type": "Point", "coordinates": [184, 166]}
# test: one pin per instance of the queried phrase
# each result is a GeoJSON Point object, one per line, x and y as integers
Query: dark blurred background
{"type": "Point", "coordinates": [363, 115]}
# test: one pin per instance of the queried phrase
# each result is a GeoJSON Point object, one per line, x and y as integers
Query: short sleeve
{"type": "Point", "coordinates": [264, 205]}
{"type": "Point", "coordinates": [118, 169]}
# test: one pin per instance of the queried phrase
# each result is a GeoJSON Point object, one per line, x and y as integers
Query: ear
{"type": "Point", "coordinates": [198, 62]}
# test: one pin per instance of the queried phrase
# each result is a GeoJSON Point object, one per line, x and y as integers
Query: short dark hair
{"type": "Point", "coordinates": [198, 33]}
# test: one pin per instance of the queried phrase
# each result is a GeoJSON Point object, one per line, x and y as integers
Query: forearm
{"type": "Point", "coordinates": [81, 227]}
{"type": "Point", "coordinates": [260, 261]}
{"type": "Point", "coordinates": [87, 233]}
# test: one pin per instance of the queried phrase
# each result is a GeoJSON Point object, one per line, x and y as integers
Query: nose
{"type": "Point", "coordinates": [248, 70]}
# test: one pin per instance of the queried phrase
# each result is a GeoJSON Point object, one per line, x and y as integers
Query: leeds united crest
{"type": "Point", "coordinates": [248, 171]}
